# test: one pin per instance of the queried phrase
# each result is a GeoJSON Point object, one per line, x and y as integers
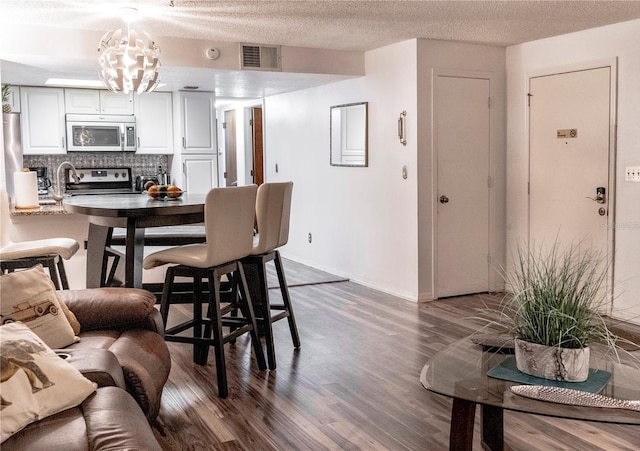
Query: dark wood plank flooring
{"type": "Point", "coordinates": [354, 383]}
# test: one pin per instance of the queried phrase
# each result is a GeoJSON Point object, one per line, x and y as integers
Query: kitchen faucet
{"type": "Point", "coordinates": [59, 195]}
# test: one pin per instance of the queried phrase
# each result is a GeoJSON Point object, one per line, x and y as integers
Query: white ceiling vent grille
{"type": "Point", "coordinates": [260, 57]}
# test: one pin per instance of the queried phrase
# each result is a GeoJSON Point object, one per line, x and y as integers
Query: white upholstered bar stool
{"type": "Point", "coordinates": [273, 210]}
{"type": "Point", "coordinates": [48, 252]}
{"type": "Point", "coordinates": [229, 219]}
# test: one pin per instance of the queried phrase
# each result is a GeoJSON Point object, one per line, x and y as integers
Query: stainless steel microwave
{"type": "Point", "coordinates": [100, 133]}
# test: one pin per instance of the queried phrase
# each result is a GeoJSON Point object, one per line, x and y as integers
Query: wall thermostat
{"type": "Point", "coordinates": [212, 54]}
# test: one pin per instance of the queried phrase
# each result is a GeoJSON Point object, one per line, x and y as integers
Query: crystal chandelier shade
{"type": "Point", "coordinates": [129, 61]}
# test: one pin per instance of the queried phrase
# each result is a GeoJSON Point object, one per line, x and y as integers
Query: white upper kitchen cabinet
{"type": "Point", "coordinates": [198, 173]}
{"type": "Point", "coordinates": [154, 123]}
{"type": "Point", "coordinates": [42, 121]}
{"type": "Point", "coordinates": [197, 110]}
{"type": "Point", "coordinates": [95, 101]}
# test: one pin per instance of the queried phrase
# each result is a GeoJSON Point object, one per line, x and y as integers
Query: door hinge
{"type": "Point", "coordinates": [225, 175]}
{"type": "Point", "coordinates": [529, 95]}
{"type": "Point", "coordinates": [224, 125]}
{"type": "Point", "coordinates": [251, 122]}
{"type": "Point", "coordinates": [489, 182]}
{"type": "Point", "coordinates": [528, 187]}
{"type": "Point", "coordinates": [489, 102]}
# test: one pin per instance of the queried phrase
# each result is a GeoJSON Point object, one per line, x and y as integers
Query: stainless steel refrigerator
{"type": "Point", "coordinates": [12, 148]}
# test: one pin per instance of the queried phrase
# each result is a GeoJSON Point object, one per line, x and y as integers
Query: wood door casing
{"type": "Point", "coordinates": [258, 148]}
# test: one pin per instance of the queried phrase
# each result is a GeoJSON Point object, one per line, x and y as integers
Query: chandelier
{"type": "Point", "coordinates": [129, 61]}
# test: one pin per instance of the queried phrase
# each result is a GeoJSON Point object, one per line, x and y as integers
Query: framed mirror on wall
{"type": "Point", "coordinates": [349, 135]}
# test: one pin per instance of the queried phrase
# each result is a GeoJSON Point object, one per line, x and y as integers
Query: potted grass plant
{"type": "Point", "coordinates": [554, 307]}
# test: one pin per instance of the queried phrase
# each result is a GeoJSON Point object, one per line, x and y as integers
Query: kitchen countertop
{"type": "Point", "coordinates": [42, 210]}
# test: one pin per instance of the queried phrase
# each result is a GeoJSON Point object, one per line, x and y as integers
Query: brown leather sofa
{"type": "Point", "coordinates": [122, 349]}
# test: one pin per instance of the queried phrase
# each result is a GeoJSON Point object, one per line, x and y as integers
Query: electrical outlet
{"type": "Point", "coordinates": [632, 174]}
{"type": "Point", "coordinates": [310, 238]}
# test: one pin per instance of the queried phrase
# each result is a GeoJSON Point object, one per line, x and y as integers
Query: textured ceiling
{"type": "Point", "coordinates": [338, 25]}
{"type": "Point", "coordinates": [344, 25]}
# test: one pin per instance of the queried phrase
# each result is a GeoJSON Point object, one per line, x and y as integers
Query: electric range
{"type": "Point", "coordinates": [100, 181]}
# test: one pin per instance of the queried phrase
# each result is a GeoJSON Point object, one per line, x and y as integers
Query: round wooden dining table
{"type": "Point", "coordinates": [133, 212]}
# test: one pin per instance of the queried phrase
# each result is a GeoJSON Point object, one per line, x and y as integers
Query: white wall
{"type": "Point", "coordinates": [363, 220]}
{"type": "Point", "coordinates": [370, 224]}
{"type": "Point", "coordinates": [465, 60]}
{"type": "Point", "coordinates": [618, 40]}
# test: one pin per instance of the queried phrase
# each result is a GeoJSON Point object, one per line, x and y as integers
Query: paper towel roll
{"type": "Point", "coordinates": [25, 186]}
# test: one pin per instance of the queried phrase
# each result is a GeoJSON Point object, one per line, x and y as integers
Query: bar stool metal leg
{"type": "Point", "coordinates": [286, 300]}
{"type": "Point", "coordinates": [62, 274]}
{"type": "Point", "coordinates": [248, 305]}
{"type": "Point", "coordinates": [257, 268]}
{"type": "Point", "coordinates": [208, 330]}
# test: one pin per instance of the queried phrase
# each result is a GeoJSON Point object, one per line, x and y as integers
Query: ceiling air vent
{"type": "Point", "coordinates": [260, 57]}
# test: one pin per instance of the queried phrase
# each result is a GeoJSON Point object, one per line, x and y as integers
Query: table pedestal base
{"type": "Point", "coordinates": [463, 414]}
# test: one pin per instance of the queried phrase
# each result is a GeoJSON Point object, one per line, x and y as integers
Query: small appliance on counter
{"type": "Point", "coordinates": [163, 177]}
{"type": "Point", "coordinates": [142, 180]}
{"type": "Point", "coordinates": [44, 182]}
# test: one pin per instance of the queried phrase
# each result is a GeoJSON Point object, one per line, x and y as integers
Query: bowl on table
{"type": "Point", "coordinates": [164, 192]}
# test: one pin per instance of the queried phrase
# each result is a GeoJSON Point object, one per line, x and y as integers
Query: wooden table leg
{"type": "Point", "coordinates": [97, 240]}
{"type": "Point", "coordinates": [463, 414]}
{"type": "Point", "coordinates": [134, 254]}
{"type": "Point", "coordinates": [492, 428]}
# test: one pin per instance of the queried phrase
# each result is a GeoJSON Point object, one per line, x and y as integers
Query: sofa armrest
{"type": "Point", "coordinates": [98, 365]}
{"type": "Point", "coordinates": [107, 420]}
{"type": "Point", "coordinates": [113, 308]}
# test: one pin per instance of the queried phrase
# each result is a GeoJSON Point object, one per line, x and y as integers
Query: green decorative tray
{"type": "Point", "coordinates": [507, 370]}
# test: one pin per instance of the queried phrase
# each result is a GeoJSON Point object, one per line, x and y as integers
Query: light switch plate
{"type": "Point", "coordinates": [632, 174]}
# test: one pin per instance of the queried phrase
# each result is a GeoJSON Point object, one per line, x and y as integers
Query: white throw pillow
{"type": "Point", "coordinates": [36, 382]}
{"type": "Point", "coordinates": [29, 296]}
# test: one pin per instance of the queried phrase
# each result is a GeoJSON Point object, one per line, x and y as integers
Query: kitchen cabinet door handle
{"type": "Point", "coordinates": [138, 142]}
{"type": "Point", "coordinates": [184, 143]}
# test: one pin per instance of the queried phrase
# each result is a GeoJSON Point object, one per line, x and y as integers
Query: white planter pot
{"type": "Point", "coordinates": [552, 362]}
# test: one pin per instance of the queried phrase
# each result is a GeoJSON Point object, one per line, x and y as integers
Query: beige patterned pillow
{"type": "Point", "coordinates": [29, 296]}
{"type": "Point", "coordinates": [36, 382]}
{"type": "Point", "coordinates": [73, 321]}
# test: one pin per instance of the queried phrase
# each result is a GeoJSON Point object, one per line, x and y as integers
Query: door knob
{"type": "Point", "coordinates": [444, 199]}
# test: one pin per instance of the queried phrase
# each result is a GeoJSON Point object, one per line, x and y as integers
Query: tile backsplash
{"type": "Point", "coordinates": [139, 164]}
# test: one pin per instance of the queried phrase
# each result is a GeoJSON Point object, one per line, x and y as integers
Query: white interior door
{"type": "Point", "coordinates": [569, 158]}
{"type": "Point", "coordinates": [462, 135]}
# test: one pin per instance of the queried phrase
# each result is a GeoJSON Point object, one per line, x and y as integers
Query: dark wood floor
{"type": "Point", "coordinates": [352, 385]}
